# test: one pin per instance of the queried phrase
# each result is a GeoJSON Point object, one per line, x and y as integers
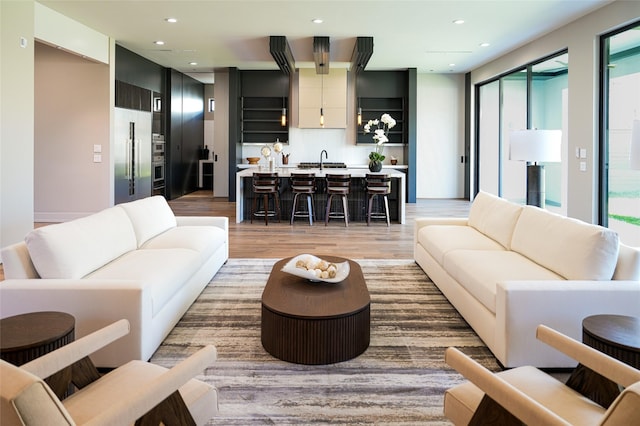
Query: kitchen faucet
{"type": "Point", "coordinates": [324, 151]}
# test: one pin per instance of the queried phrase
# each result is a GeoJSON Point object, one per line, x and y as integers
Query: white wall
{"type": "Point", "coordinates": [440, 136]}
{"type": "Point", "coordinates": [16, 116]}
{"type": "Point", "coordinates": [581, 39]}
{"type": "Point", "coordinates": [72, 114]}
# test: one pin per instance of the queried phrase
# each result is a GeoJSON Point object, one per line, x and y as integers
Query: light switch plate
{"type": "Point", "coordinates": [583, 166]}
{"type": "Point", "coordinates": [97, 158]}
{"type": "Point", "coordinates": [97, 148]}
{"type": "Point", "coordinates": [583, 153]}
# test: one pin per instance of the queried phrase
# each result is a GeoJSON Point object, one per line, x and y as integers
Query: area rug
{"type": "Point", "coordinates": [400, 379]}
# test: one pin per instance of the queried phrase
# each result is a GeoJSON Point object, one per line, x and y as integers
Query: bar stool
{"type": "Point", "coordinates": [337, 184]}
{"type": "Point", "coordinates": [266, 186]}
{"type": "Point", "coordinates": [378, 184]}
{"type": "Point", "coordinates": [303, 183]}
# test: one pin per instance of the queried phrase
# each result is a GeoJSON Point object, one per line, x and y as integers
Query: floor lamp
{"type": "Point", "coordinates": [534, 146]}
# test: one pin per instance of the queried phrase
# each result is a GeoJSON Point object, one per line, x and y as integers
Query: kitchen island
{"type": "Point", "coordinates": [357, 197]}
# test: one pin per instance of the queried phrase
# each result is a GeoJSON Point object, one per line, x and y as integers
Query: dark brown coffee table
{"type": "Point", "coordinates": [314, 322]}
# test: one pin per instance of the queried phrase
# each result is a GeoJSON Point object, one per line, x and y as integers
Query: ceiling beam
{"type": "Point", "coordinates": [362, 52]}
{"type": "Point", "coordinates": [321, 54]}
{"type": "Point", "coordinates": [281, 53]}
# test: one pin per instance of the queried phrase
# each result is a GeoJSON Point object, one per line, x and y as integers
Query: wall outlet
{"type": "Point", "coordinates": [583, 166]}
{"type": "Point", "coordinates": [97, 158]}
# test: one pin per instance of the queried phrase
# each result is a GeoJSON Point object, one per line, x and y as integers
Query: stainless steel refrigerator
{"type": "Point", "coordinates": [132, 154]}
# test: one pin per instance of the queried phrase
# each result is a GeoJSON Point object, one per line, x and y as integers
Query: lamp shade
{"type": "Point", "coordinates": [635, 145]}
{"type": "Point", "coordinates": [535, 145]}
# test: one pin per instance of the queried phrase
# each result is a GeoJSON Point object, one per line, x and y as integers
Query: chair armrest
{"type": "Point", "coordinates": [616, 371]}
{"type": "Point", "coordinates": [526, 409]}
{"type": "Point", "coordinates": [127, 412]}
{"type": "Point", "coordinates": [55, 361]}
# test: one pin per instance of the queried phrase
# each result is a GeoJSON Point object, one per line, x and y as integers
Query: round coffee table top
{"type": "Point", "coordinates": [616, 330]}
{"type": "Point", "coordinates": [34, 329]}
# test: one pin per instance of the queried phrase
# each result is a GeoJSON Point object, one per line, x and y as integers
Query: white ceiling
{"type": "Point", "coordinates": [407, 33]}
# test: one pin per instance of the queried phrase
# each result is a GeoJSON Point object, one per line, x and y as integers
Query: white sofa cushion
{"type": "Point", "coordinates": [438, 240]}
{"type": "Point", "coordinates": [76, 248]}
{"type": "Point", "coordinates": [628, 265]}
{"type": "Point", "coordinates": [203, 239]}
{"type": "Point", "coordinates": [569, 247]}
{"type": "Point", "coordinates": [495, 217]}
{"type": "Point", "coordinates": [162, 272]}
{"type": "Point", "coordinates": [479, 271]}
{"type": "Point", "coordinates": [149, 216]}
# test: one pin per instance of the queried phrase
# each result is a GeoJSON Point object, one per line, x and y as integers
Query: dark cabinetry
{"type": "Point", "coordinates": [263, 95]}
{"type": "Point", "coordinates": [132, 97]}
{"type": "Point", "coordinates": [373, 108]}
{"type": "Point", "coordinates": [380, 92]}
{"type": "Point", "coordinates": [261, 119]}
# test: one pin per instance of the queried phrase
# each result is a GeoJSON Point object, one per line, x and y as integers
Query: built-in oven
{"type": "Point", "coordinates": [158, 163]}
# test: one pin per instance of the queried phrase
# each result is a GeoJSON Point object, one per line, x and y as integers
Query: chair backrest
{"type": "Point", "coordinates": [378, 183]}
{"type": "Point", "coordinates": [338, 182]}
{"type": "Point", "coordinates": [303, 179]}
{"type": "Point", "coordinates": [266, 181]}
{"type": "Point", "coordinates": [25, 399]}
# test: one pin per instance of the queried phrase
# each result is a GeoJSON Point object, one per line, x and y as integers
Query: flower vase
{"type": "Point", "coordinates": [375, 165]}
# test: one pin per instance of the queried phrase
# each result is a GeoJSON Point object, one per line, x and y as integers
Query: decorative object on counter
{"type": "Point", "coordinates": [266, 153]}
{"type": "Point", "coordinates": [394, 160]}
{"type": "Point", "coordinates": [285, 158]}
{"type": "Point", "coordinates": [253, 160]}
{"type": "Point", "coordinates": [380, 137]}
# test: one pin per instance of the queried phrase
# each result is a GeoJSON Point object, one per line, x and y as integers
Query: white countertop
{"type": "Point", "coordinates": [354, 172]}
{"type": "Point", "coordinates": [352, 166]}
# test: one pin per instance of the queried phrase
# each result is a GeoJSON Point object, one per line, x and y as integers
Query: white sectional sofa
{"type": "Point", "coordinates": [508, 268]}
{"type": "Point", "coordinates": [135, 261]}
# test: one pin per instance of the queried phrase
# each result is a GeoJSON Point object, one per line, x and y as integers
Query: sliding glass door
{"type": "Point", "coordinates": [620, 177]}
{"type": "Point", "coordinates": [534, 96]}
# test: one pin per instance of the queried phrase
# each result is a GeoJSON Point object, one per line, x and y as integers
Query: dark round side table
{"type": "Point", "coordinates": [28, 336]}
{"type": "Point", "coordinates": [615, 335]}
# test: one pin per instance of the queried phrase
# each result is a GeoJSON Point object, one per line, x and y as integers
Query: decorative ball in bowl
{"type": "Point", "coordinates": [253, 160]}
{"type": "Point", "coordinates": [315, 269]}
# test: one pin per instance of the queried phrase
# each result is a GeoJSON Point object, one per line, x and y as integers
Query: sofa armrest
{"type": "Point", "coordinates": [562, 305]}
{"type": "Point", "coordinates": [421, 222]}
{"type": "Point", "coordinates": [93, 303]}
{"type": "Point", "coordinates": [218, 221]}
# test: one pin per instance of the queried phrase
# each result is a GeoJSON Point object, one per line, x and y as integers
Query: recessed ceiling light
{"type": "Point", "coordinates": [172, 20]}
{"type": "Point", "coordinates": [452, 65]}
{"type": "Point", "coordinates": [485, 44]}
{"type": "Point", "coordinates": [317, 21]}
{"type": "Point", "coordinates": [193, 63]}
{"type": "Point", "coordinates": [159, 42]}
{"type": "Point", "coordinates": [458, 21]}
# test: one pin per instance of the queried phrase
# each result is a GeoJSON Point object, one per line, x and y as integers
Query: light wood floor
{"type": "Point", "coordinates": [278, 240]}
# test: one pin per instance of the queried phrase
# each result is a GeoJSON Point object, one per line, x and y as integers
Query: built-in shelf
{"type": "Point", "coordinates": [261, 120]}
{"type": "Point", "coordinates": [373, 108]}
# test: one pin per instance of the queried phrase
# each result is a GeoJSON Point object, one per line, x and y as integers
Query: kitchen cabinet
{"type": "Point", "coordinates": [326, 91]}
{"type": "Point", "coordinates": [261, 119]}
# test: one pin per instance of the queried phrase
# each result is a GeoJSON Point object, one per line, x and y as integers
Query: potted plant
{"type": "Point", "coordinates": [380, 137]}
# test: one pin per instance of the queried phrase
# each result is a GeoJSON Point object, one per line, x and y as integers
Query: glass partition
{"type": "Point", "coordinates": [532, 97]}
{"type": "Point", "coordinates": [621, 102]}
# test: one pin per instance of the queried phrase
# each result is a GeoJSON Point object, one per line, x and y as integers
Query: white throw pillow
{"type": "Point", "coordinates": [574, 249]}
{"type": "Point", "coordinates": [150, 216]}
{"type": "Point", "coordinates": [495, 217]}
{"type": "Point", "coordinates": [74, 249]}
